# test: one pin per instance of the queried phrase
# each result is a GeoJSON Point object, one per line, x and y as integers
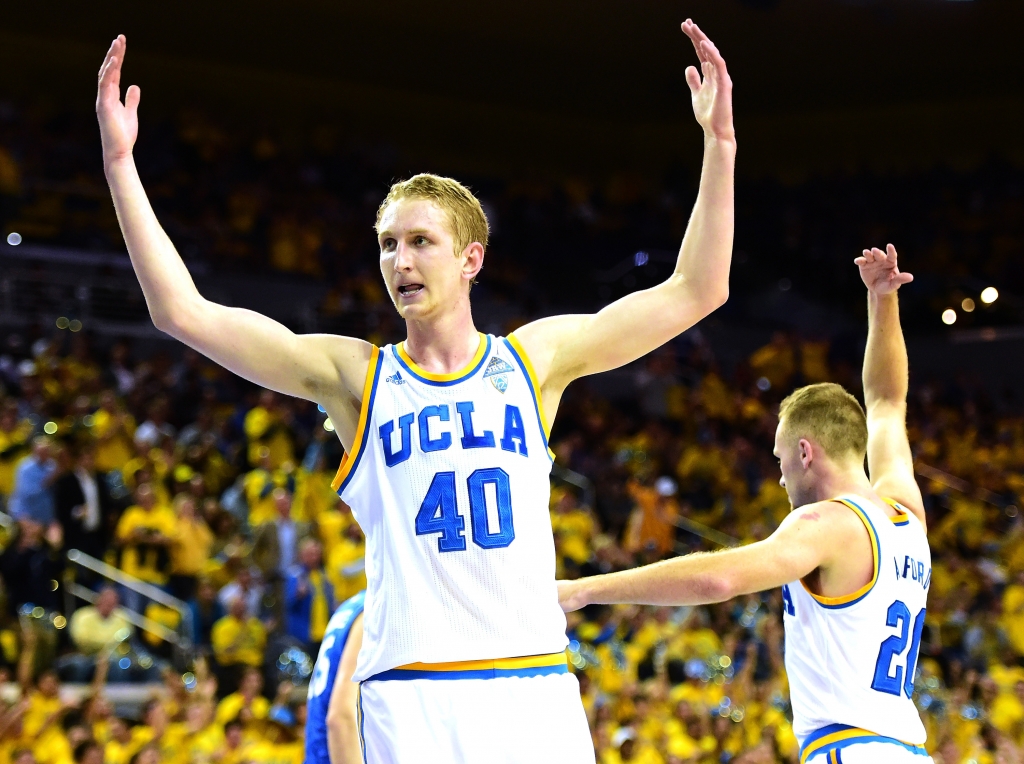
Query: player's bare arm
{"type": "Point", "coordinates": [342, 717]}
{"type": "Point", "coordinates": [564, 348]}
{"type": "Point", "coordinates": [886, 380]}
{"type": "Point", "coordinates": [327, 369]}
{"type": "Point", "coordinates": [815, 537]}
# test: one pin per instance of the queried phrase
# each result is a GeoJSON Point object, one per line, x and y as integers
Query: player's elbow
{"type": "Point", "coordinates": [714, 587]}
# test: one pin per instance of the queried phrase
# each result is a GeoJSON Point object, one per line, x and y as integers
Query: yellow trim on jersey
{"type": "Point", "coordinates": [529, 661]}
{"type": "Point", "coordinates": [350, 458]}
{"type": "Point", "coordinates": [545, 422]}
{"type": "Point", "coordinates": [875, 550]}
{"type": "Point", "coordinates": [481, 349]}
{"type": "Point", "coordinates": [903, 517]}
{"type": "Point", "coordinates": [846, 734]}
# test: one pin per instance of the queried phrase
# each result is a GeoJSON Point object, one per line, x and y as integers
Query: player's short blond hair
{"type": "Point", "coordinates": [830, 416]}
{"type": "Point", "coordinates": [466, 219]}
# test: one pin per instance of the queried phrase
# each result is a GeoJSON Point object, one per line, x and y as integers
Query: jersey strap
{"type": "Point", "coordinates": [538, 404]}
{"type": "Point", "coordinates": [531, 665]}
{"type": "Point", "coordinates": [834, 603]}
{"type": "Point", "coordinates": [904, 514]}
{"type": "Point", "coordinates": [350, 460]}
{"type": "Point", "coordinates": [835, 737]}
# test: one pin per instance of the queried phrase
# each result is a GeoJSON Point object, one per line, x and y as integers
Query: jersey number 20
{"type": "Point", "coordinates": [439, 512]}
{"type": "Point", "coordinates": [898, 616]}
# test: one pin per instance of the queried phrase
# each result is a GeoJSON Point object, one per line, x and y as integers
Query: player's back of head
{"type": "Point", "coordinates": [466, 217]}
{"type": "Point", "coordinates": [828, 415]}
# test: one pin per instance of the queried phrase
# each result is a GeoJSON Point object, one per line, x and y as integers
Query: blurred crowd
{"type": "Point", "coordinates": [218, 493]}
{"type": "Point", "coordinates": [253, 198]}
{"type": "Point", "coordinates": [167, 468]}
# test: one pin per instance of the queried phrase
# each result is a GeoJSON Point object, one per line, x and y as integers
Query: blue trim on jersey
{"type": "Point", "coordinates": [492, 673]}
{"type": "Point", "coordinates": [533, 394]}
{"type": "Point", "coordinates": [853, 736]}
{"type": "Point", "coordinates": [876, 541]}
{"type": "Point", "coordinates": [449, 382]}
{"type": "Point", "coordinates": [361, 446]}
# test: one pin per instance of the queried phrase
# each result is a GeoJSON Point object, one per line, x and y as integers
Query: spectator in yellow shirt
{"type": "Point", "coordinates": [238, 641]}
{"type": "Point", "coordinates": [113, 429]}
{"type": "Point", "coordinates": [190, 547]}
{"type": "Point", "coordinates": [145, 533]}
{"type": "Point", "coordinates": [246, 706]}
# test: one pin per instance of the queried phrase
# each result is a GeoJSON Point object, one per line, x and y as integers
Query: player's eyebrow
{"type": "Point", "coordinates": [412, 231]}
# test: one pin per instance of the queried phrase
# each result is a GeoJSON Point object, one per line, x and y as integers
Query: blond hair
{"type": "Point", "coordinates": [467, 222]}
{"type": "Point", "coordinates": [830, 416]}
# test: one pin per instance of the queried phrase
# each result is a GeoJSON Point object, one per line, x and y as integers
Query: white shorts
{"type": "Point", "coordinates": [871, 753]}
{"type": "Point", "coordinates": [502, 720]}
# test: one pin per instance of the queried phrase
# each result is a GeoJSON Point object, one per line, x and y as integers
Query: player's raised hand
{"type": "Point", "coordinates": [880, 272]}
{"type": "Point", "coordinates": [119, 123]}
{"type": "Point", "coordinates": [711, 93]}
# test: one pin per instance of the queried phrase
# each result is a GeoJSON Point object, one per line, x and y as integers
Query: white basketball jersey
{"type": "Point", "coordinates": [449, 480]}
{"type": "Point", "coordinates": [851, 660]}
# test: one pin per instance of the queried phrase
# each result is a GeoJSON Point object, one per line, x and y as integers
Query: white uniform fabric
{"type": "Point", "coordinates": [449, 480]}
{"type": "Point", "coordinates": [851, 660]}
{"type": "Point", "coordinates": [506, 720]}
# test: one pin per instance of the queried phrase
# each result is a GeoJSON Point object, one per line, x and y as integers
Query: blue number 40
{"type": "Point", "coordinates": [439, 512]}
{"type": "Point", "coordinates": [898, 616]}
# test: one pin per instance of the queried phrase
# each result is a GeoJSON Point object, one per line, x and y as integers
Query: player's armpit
{"type": "Point", "coordinates": [564, 348]}
{"type": "Point", "coordinates": [327, 369]}
{"type": "Point", "coordinates": [342, 712]}
{"type": "Point", "coordinates": [890, 461]}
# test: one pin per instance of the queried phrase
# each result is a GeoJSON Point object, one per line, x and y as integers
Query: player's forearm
{"type": "Point", "coordinates": [886, 369]}
{"type": "Point", "coordinates": [691, 580]}
{"type": "Point", "coordinates": [343, 739]}
{"type": "Point", "coordinates": [705, 255]}
{"type": "Point", "coordinates": [166, 282]}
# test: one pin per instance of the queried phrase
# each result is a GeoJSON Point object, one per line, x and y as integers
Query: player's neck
{"type": "Point", "coordinates": [443, 345]}
{"type": "Point", "coordinates": [841, 480]}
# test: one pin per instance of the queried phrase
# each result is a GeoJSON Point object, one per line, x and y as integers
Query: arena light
{"type": "Point", "coordinates": [14, 238]}
{"type": "Point", "coordinates": [949, 316]}
{"type": "Point", "coordinates": [967, 305]}
{"type": "Point", "coordinates": [989, 295]}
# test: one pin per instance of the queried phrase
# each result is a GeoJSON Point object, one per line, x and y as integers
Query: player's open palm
{"type": "Point", "coordinates": [711, 88]}
{"type": "Point", "coordinates": [880, 272]}
{"type": "Point", "coordinates": [119, 123]}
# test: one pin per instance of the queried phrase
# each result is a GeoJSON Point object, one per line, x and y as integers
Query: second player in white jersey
{"type": "Point", "coordinates": [851, 660]}
{"type": "Point", "coordinates": [449, 480]}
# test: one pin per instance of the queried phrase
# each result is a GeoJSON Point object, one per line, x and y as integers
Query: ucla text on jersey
{"type": "Point", "coordinates": [449, 479]}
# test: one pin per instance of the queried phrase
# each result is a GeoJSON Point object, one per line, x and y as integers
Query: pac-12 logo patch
{"type": "Point", "coordinates": [497, 371]}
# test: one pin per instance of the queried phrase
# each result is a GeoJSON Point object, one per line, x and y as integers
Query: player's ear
{"type": "Point", "coordinates": [472, 261]}
{"type": "Point", "coordinates": [806, 452]}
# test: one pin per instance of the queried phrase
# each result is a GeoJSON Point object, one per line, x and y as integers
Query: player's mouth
{"type": "Point", "coordinates": [408, 290]}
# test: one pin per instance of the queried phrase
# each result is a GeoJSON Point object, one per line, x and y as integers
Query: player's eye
{"type": "Point", "coordinates": [387, 245]}
{"type": "Point", "coordinates": [421, 241]}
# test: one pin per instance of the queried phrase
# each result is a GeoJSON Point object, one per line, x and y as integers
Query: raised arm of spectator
{"type": "Point", "coordinates": [886, 381]}
{"type": "Point", "coordinates": [563, 348]}
{"type": "Point", "coordinates": [323, 368]}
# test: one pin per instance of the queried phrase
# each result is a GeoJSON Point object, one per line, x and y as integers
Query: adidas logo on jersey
{"type": "Point", "coordinates": [497, 371]}
{"type": "Point", "coordinates": [395, 379]}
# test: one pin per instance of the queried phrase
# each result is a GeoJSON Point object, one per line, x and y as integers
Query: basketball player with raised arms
{"type": "Point", "coordinates": [446, 438]}
{"type": "Point", "coordinates": [852, 557]}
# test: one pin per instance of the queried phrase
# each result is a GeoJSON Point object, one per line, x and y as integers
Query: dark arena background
{"type": "Point", "coordinates": [270, 133]}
